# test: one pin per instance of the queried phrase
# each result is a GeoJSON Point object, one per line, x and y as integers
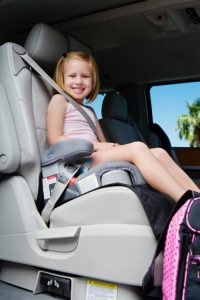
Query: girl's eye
{"type": "Point", "coordinates": [72, 75]}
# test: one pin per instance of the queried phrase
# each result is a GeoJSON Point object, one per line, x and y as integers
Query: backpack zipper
{"type": "Point", "coordinates": [195, 260]}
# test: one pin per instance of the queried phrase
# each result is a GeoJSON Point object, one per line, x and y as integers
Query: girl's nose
{"type": "Point", "coordinates": [78, 79]}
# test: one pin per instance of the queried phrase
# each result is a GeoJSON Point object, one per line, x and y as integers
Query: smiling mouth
{"type": "Point", "coordinates": [78, 90]}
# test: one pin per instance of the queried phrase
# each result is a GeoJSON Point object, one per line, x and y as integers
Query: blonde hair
{"type": "Point", "coordinates": [59, 72]}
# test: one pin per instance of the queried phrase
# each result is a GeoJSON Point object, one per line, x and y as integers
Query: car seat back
{"type": "Point", "coordinates": [21, 90]}
{"type": "Point", "coordinates": [117, 125]}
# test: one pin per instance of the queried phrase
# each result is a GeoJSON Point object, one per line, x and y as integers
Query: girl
{"type": "Point", "coordinates": [77, 74]}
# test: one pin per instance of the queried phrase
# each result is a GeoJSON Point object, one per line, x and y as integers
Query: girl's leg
{"type": "Point", "coordinates": [152, 170]}
{"type": "Point", "coordinates": [183, 179]}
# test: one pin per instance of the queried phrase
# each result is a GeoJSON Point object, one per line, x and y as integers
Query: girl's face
{"type": "Point", "coordinates": [77, 79]}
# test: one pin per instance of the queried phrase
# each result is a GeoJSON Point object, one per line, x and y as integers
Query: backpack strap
{"type": "Point", "coordinates": [149, 287]}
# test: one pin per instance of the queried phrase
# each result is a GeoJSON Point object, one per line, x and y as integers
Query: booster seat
{"type": "Point", "coordinates": [102, 235]}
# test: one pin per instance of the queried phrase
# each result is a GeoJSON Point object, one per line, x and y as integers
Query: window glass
{"type": "Point", "coordinates": [176, 108]}
{"type": "Point", "coordinates": [97, 105]}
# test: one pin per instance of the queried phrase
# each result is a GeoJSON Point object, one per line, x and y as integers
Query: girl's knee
{"type": "Point", "coordinates": [160, 153]}
{"type": "Point", "coordinates": [138, 147]}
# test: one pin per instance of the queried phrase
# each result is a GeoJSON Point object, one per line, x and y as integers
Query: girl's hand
{"type": "Point", "coordinates": [101, 145]}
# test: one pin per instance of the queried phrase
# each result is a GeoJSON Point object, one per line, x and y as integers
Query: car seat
{"type": "Point", "coordinates": [119, 127]}
{"type": "Point", "coordinates": [116, 123]}
{"type": "Point", "coordinates": [101, 238]}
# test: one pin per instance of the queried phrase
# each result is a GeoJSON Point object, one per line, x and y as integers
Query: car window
{"type": "Point", "coordinates": [176, 108]}
{"type": "Point", "coordinates": [97, 104]}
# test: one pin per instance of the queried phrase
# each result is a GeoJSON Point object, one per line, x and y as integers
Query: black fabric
{"type": "Point", "coordinates": [157, 206]}
{"type": "Point", "coordinates": [164, 140]}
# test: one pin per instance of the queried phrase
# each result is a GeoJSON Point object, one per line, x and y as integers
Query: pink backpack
{"type": "Point", "coordinates": [180, 242]}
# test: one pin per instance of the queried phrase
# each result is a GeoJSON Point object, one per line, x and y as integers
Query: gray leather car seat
{"type": "Point", "coordinates": [103, 234]}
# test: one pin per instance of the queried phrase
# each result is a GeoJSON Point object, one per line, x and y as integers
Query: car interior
{"type": "Point", "coordinates": [98, 242]}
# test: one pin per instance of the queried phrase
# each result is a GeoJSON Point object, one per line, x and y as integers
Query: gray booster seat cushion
{"type": "Point", "coordinates": [75, 151]}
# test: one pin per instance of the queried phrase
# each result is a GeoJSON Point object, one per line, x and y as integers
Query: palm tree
{"type": "Point", "coordinates": [189, 124]}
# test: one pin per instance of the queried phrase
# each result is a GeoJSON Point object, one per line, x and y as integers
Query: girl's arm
{"type": "Point", "coordinates": [100, 132]}
{"type": "Point", "coordinates": [103, 144]}
{"type": "Point", "coordinates": [55, 119]}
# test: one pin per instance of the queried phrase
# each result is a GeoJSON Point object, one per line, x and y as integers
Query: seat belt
{"type": "Point", "coordinates": [63, 180]}
{"type": "Point", "coordinates": [51, 82]}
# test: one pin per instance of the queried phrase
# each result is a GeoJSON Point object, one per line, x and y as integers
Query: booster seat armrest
{"type": "Point", "coordinates": [69, 151]}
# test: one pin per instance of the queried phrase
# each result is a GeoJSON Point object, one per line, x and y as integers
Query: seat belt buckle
{"type": "Point", "coordinates": [48, 184]}
{"type": "Point", "coordinates": [57, 172]}
{"type": "Point", "coordinates": [72, 180]}
{"type": "Point", "coordinates": [63, 178]}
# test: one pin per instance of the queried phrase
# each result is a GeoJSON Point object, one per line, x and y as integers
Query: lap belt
{"type": "Point", "coordinates": [62, 182]}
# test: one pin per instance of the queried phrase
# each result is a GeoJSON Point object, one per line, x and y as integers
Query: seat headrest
{"type": "Point", "coordinates": [115, 106]}
{"type": "Point", "coordinates": [46, 45]}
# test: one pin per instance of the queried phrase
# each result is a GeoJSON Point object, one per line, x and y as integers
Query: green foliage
{"type": "Point", "coordinates": [189, 124]}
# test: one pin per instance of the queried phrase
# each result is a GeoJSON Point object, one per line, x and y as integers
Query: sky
{"type": "Point", "coordinates": [97, 104]}
{"type": "Point", "coordinates": [168, 103]}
